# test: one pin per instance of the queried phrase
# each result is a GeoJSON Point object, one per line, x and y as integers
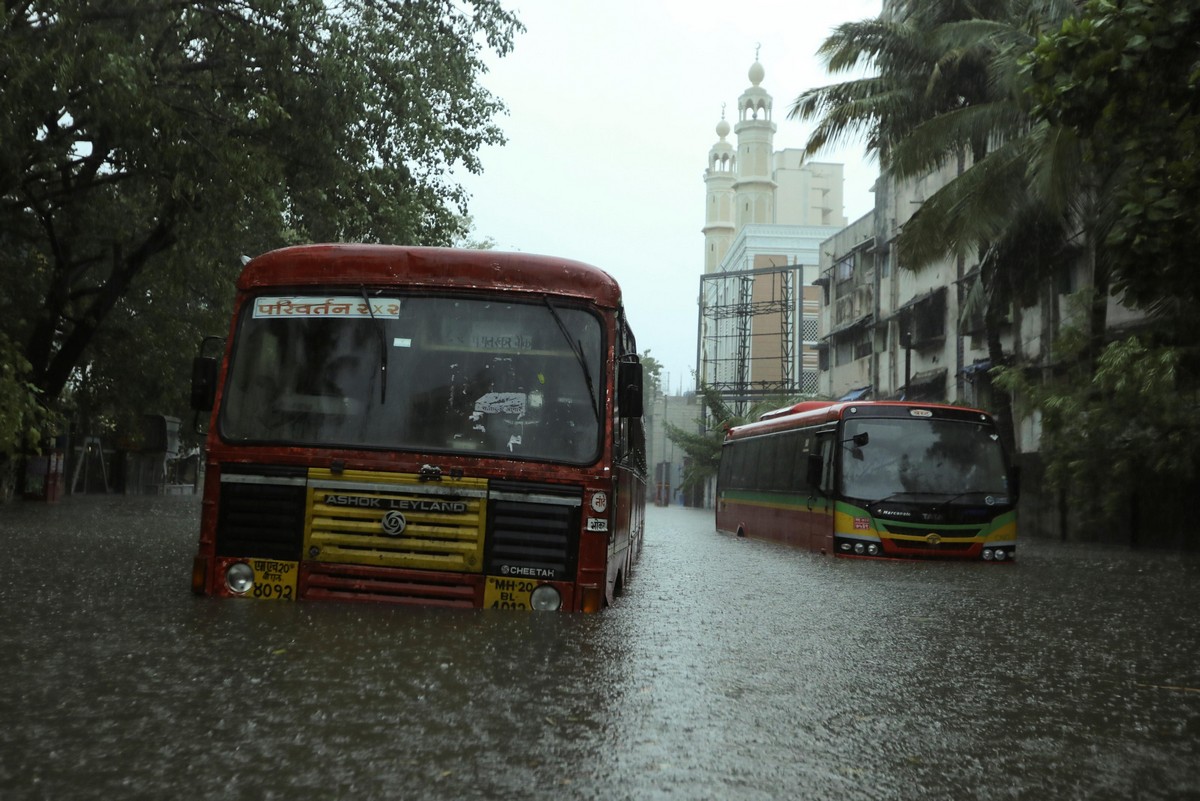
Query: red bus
{"type": "Point", "coordinates": [422, 426]}
{"type": "Point", "coordinates": [871, 479]}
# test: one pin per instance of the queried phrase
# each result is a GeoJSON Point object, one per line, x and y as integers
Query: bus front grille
{"type": "Point", "coordinates": [942, 532]}
{"type": "Point", "coordinates": [942, 546]}
{"type": "Point", "coordinates": [342, 582]}
{"type": "Point", "coordinates": [392, 528]}
{"type": "Point", "coordinates": [533, 530]}
{"type": "Point", "coordinates": [257, 518]}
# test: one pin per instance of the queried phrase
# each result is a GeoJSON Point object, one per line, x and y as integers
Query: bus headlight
{"type": "Point", "coordinates": [859, 548]}
{"type": "Point", "coordinates": [987, 554]}
{"type": "Point", "coordinates": [1001, 555]}
{"type": "Point", "coordinates": [872, 550]}
{"type": "Point", "coordinates": [239, 578]}
{"type": "Point", "coordinates": [545, 598]}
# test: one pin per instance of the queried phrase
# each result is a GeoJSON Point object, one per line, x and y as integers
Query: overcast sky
{"type": "Point", "coordinates": [613, 107]}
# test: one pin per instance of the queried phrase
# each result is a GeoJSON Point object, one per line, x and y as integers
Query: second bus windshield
{"type": "Point", "coordinates": [921, 456]}
{"type": "Point", "coordinates": [519, 380]}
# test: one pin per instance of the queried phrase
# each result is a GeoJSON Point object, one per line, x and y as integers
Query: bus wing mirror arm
{"type": "Point", "coordinates": [204, 383]}
{"type": "Point", "coordinates": [204, 376]}
{"type": "Point", "coordinates": [204, 388]}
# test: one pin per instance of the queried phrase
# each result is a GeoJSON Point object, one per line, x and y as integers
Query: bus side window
{"type": "Point", "coordinates": [799, 446]}
{"type": "Point", "coordinates": [756, 467]}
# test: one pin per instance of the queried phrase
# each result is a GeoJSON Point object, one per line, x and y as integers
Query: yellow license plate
{"type": "Point", "coordinates": [274, 580]}
{"type": "Point", "coordinates": [507, 593]}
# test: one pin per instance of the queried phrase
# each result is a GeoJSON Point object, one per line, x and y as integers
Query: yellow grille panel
{"type": "Point", "coordinates": [396, 520]}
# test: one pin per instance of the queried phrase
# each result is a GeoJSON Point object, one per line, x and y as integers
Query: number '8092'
{"type": "Point", "coordinates": [272, 592]}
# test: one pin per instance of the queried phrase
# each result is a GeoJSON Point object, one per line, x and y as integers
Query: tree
{"type": "Point", "coordinates": [147, 147]}
{"type": "Point", "coordinates": [1118, 420]}
{"type": "Point", "coordinates": [23, 420]}
{"type": "Point", "coordinates": [1125, 77]}
{"type": "Point", "coordinates": [703, 448]}
{"type": "Point", "coordinates": [467, 237]}
{"type": "Point", "coordinates": [948, 90]}
{"type": "Point", "coordinates": [1117, 429]}
{"type": "Point", "coordinates": [651, 377]}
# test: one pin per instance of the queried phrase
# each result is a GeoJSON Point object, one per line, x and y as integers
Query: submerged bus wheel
{"type": "Point", "coordinates": [741, 531]}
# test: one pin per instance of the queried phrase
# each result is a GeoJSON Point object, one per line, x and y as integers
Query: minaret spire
{"type": "Point", "coordinates": [754, 186]}
{"type": "Point", "coordinates": [718, 210]}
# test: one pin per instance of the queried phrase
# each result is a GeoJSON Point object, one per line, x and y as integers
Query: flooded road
{"type": "Point", "coordinates": [731, 669]}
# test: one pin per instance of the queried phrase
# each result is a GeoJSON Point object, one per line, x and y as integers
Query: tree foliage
{"type": "Point", "coordinates": [703, 447]}
{"type": "Point", "coordinates": [1125, 76]}
{"type": "Point", "coordinates": [1076, 128]}
{"type": "Point", "coordinates": [1122, 79]}
{"type": "Point", "coordinates": [651, 377]}
{"type": "Point", "coordinates": [945, 89]}
{"type": "Point", "coordinates": [1111, 429]}
{"type": "Point", "coordinates": [148, 146]}
{"type": "Point", "coordinates": [24, 421]}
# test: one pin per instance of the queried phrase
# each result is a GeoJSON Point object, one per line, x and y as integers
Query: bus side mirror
{"type": "Point", "coordinates": [813, 474]}
{"type": "Point", "coordinates": [204, 383]}
{"type": "Point", "coordinates": [629, 387]}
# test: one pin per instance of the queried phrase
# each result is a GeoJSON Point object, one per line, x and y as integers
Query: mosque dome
{"type": "Point", "coordinates": [756, 73]}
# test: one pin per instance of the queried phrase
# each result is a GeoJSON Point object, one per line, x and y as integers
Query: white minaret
{"type": "Point", "coordinates": [754, 189]}
{"type": "Point", "coordinates": [718, 216]}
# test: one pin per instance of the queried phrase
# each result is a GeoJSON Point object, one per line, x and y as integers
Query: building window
{"type": "Point", "coordinates": [845, 269]}
{"type": "Point", "coordinates": [862, 344]}
{"type": "Point", "coordinates": [809, 329]}
{"type": "Point", "coordinates": [843, 351]}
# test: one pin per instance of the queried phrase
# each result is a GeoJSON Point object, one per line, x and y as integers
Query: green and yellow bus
{"type": "Point", "coordinates": [872, 479]}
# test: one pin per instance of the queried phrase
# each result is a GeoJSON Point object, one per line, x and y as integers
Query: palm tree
{"type": "Point", "coordinates": [948, 89]}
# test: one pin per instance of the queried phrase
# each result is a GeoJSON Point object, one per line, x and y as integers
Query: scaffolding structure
{"type": "Point", "coordinates": [747, 337]}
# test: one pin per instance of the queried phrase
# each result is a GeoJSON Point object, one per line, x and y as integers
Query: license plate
{"type": "Point", "coordinates": [507, 593]}
{"type": "Point", "coordinates": [274, 580]}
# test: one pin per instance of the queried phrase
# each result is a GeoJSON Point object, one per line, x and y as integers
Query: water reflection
{"type": "Point", "coordinates": [732, 669]}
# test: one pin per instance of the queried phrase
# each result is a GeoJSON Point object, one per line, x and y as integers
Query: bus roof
{"type": "Point", "coordinates": [808, 413]}
{"type": "Point", "coordinates": [393, 265]}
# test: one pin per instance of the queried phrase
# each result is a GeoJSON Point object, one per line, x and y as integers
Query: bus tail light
{"type": "Point", "coordinates": [593, 597]}
{"type": "Point", "coordinates": [199, 574]}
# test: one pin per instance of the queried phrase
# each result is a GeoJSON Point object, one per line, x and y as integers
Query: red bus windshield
{"type": "Point", "coordinates": [389, 370]}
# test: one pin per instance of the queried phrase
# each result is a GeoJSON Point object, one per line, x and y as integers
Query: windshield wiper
{"type": "Point", "coordinates": [951, 500]}
{"type": "Point", "coordinates": [894, 495]}
{"type": "Point", "coordinates": [381, 330]}
{"type": "Point", "coordinates": [577, 349]}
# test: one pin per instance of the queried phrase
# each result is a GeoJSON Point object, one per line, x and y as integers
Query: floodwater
{"type": "Point", "coordinates": [731, 669]}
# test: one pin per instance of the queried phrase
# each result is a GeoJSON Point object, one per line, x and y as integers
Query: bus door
{"type": "Point", "coordinates": [819, 489]}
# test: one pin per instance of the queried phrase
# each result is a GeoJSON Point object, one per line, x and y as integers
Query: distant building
{"type": "Point", "coordinates": [667, 461]}
{"type": "Point", "coordinates": [767, 213]}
